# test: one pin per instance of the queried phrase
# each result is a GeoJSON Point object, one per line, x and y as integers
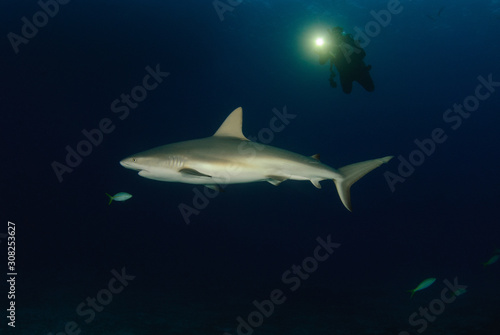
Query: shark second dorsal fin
{"type": "Point", "coordinates": [231, 127]}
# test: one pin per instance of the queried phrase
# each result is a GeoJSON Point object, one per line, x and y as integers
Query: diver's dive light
{"type": "Point", "coordinates": [320, 41]}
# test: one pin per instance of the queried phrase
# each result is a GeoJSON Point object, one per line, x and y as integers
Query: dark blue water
{"type": "Point", "coordinates": [255, 259]}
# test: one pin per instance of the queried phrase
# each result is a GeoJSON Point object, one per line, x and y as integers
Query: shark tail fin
{"type": "Point", "coordinates": [351, 174]}
{"type": "Point", "coordinates": [110, 199]}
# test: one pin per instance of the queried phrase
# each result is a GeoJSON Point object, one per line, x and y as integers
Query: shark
{"type": "Point", "coordinates": [228, 157]}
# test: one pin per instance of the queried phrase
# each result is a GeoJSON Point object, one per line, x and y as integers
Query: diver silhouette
{"type": "Point", "coordinates": [347, 56]}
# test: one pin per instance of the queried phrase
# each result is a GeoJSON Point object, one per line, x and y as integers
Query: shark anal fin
{"type": "Point", "coordinates": [275, 180]}
{"type": "Point", "coordinates": [316, 157]}
{"type": "Point", "coordinates": [193, 172]}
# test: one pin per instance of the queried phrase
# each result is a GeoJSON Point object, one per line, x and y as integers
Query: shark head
{"type": "Point", "coordinates": [182, 161]}
{"type": "Point", "coordinates": [151, 165]}
{"type": "Point", "coordinates": [136, 163]}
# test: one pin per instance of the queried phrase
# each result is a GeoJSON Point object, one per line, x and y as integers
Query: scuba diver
{"type": "Point", "coordinates": [347, 56]}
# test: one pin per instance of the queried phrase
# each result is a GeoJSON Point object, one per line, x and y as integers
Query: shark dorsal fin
{"type": "Point", "coordinates": [231, 127]}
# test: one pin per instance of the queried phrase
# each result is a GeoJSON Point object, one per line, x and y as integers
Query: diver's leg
{"type": "Point", "coordinates": [366, 81]}
{"type": "Point", "coordinates": [364, 78]}
{"type": "Point", "coordinates": [346, 82]}
{"type": "Point", "coordinates": [332, 76]}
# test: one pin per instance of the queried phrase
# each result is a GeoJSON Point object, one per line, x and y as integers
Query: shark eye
{"type": "Point", "coordinates": [134, 160]}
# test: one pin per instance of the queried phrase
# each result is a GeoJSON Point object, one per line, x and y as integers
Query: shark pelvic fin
{"type": "Point", "coordinates": [275, 180]}
{"type": "Point", "coordinates": [231, 127]}
{"type": "Point", "coordinates": [193, 172]}
{"type": "Point", "coordinates": [351, 174]}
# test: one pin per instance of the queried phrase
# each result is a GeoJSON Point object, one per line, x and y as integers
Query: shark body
{"type": "Point", "coordinates": [228, 157]}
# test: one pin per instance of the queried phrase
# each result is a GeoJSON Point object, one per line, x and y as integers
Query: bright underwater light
{"type": "Point", "coordinates": [320, 41]}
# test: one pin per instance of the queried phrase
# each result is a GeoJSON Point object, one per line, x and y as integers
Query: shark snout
{"type": "Point", "coordinates": [132, 164]}
{"type": "Point", "coordinates": [128, 163]}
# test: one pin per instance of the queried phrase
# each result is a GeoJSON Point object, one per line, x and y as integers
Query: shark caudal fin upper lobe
{"type": "Point", "coordinates": [352, 173]}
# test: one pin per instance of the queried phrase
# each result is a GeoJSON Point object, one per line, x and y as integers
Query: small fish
{"type": "Point", "coordinates": [437, 15]}
{"type": "Point", "coordinates": [440, 11]}
{"type": "Point", "coordinates": [120, 196]}
{"type": "Point", "coordinates": [492, 260]}
{"type": "Point", "coordinates": [426, 283]}
{"type": "Point", "coordinates": [459, 291]}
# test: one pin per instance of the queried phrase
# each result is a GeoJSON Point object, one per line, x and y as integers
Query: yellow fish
{"type": "Point", "coordinates": [426, 283]}
{"type": "Point", "coordinates": [121, 196]}
{"type": "Point", "coordinates": [492, 260]}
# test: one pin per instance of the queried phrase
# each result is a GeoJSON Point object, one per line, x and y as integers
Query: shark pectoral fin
{"type": "Point", "coordinates": [275, 180]}
{"type": "Point", "coordinates": [316, 183]}
{"type": "Point", "coordinates": [193, 172]}
{"type": "Point", "coordinates": [351, 174]}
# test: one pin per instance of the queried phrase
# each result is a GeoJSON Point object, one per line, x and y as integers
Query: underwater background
{"type": "Point", "coordinates": [255, 259]}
